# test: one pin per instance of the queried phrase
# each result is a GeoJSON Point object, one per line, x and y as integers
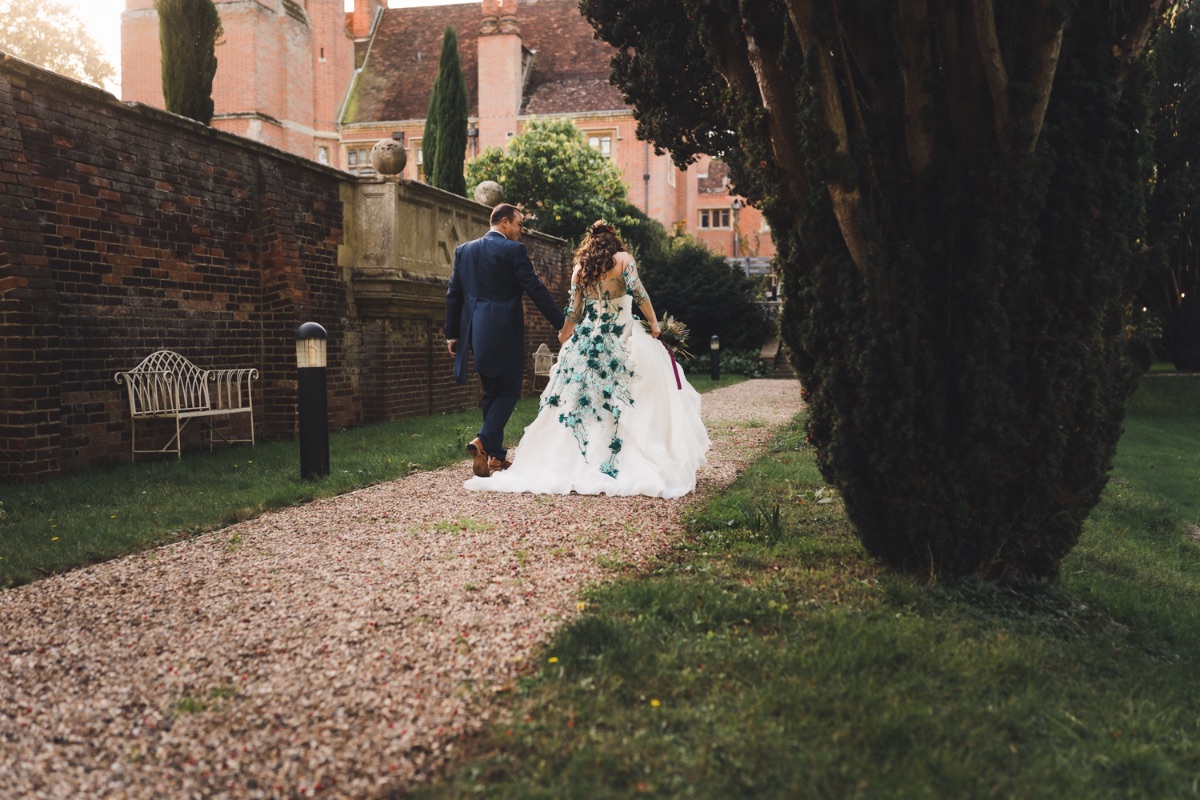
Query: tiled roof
{"type": "Point", "coordinates": [717, 179]}
{"type": "Point", "coordinates": [569, 72]}
{"type": "Point", "coordinates": [570, 65]}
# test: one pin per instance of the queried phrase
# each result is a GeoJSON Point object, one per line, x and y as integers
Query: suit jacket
{"type": "Point", "coordinates": [483, 304]}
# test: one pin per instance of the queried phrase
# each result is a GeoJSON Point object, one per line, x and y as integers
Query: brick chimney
{"type": "Point", "coordinates": [363, 17]}
{"type": "Point", "coordinates": [500, 72]}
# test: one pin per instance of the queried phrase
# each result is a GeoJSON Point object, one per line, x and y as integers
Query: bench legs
{"type": "Point", "coordinates": [175, 445]}
{"type": "Point", "coordinates": [213, 429]}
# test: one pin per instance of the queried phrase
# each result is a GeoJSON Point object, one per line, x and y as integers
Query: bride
{"type": "Point", "coordinates": [616, 418]}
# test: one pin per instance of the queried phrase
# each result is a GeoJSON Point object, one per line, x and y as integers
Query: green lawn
{"type": "Point", "coordinates": [1161, 447]}
{"type": "Point", "coordinates": [93, 516]}
{"type": "Point", "coordinates": [768, 658]}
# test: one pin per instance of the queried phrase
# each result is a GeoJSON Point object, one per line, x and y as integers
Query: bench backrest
{"type": "Point", "coordinates": [166, 381]}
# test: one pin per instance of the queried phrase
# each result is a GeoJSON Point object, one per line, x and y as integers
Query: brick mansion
{"type": "Point", "coordinates": [320, 81]}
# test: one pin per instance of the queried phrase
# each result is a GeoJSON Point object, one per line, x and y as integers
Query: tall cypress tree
{"type": "Point", "coordinates": [957, 194]}
{"type": "Point", "coordinates": [188, 31]}
{"type": "Point", "coordinates": [445, 144]}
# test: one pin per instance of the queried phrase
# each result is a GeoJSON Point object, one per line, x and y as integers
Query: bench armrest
{"type": "Point", "coordinates": [231, 387]}
{"type": "Point", "coordinates": [150, 391]}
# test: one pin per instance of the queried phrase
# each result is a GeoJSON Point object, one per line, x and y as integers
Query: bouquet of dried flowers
{"type": "Point", "coordinates": [673, 334]}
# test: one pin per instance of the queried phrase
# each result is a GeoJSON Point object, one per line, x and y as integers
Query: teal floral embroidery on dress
{"type": "Point", "coordinates": [591, 383]}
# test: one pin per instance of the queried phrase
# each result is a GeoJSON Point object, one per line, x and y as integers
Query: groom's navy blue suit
{"type": "Point", "coordinates": [484, 312]}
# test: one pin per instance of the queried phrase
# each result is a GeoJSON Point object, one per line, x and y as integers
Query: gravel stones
{"type": "Point", "coordinates": [338, 649]}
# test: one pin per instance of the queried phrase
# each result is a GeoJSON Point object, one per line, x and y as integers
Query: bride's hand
{"type": "Point", "coordinates": [655, 331]}
{"type": "Point", "coordinates": [563, 336]}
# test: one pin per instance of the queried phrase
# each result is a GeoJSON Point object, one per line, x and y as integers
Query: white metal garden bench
{"type": "Point", "coordinates": [168, 386]}
{"type": "Point", "coordinates": [543, 360]}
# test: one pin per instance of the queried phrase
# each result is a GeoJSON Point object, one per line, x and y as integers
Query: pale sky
{"type": "Point", "coordinates": [103, 20]}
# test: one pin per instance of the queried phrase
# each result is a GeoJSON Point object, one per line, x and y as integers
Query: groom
{"type": "Point", "coordinates": [483, 309]}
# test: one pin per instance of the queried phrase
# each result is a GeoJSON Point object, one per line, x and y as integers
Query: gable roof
{"type": "Point", "coordinates": [569, 71]}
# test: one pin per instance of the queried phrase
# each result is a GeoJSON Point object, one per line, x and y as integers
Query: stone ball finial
{"type": "Point", "coordinates": [489, 193]}
{"type": "Point", "coordinates": [388, 157]}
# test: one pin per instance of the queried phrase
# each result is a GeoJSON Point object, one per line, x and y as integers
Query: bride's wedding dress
{"type": "Point", "coordinates": [616, 417]}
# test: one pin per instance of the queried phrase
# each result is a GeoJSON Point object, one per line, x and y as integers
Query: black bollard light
{"type": "Point", "coordinates": [313, 405]}
{"type": "Point", "coordinates": [714, 357]}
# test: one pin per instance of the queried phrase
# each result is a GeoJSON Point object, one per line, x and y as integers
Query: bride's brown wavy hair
{"type": "Point", "coordinates": [595, 254]}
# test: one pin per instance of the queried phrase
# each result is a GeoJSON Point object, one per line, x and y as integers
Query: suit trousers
{"type": "Point", "coordinates": [500, 396]}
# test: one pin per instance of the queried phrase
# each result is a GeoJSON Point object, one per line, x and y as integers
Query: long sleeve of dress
{"type": "Point", "coordinates": [575, 308]}
{"type": "Point", "coordinates": [633, 284]}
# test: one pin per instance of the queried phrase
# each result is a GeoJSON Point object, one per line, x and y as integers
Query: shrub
{"type": "Point", "coordinates": [696, 286]}
{"type": "Point", "coordinates": [735, 362]}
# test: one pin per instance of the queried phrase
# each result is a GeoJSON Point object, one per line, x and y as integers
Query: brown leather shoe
{"type": "Point", "coordinates": [495, 464]}
{"type": "Point", "coordinates": [479, 458]}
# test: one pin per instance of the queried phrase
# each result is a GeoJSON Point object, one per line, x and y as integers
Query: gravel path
{"type": "Point", "coordinates": [332, 650]}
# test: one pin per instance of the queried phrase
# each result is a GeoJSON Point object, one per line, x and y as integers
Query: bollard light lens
{"type": "Point", "coordinates": [310, 345]}
{"type": "Point", "coordinates": [310, 353]}
{"type": "Point", "coordinates": [714, 343]}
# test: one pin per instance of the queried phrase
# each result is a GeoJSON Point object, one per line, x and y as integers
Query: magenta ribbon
{"type": "Point", "coordinates": [674, 366]}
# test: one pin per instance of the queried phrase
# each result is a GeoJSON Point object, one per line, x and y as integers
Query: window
{"type": "Point", "coordinates": [601, 143]}
{"type": "Point", "coordinates": [358, 160]}
{"type": "Point", "coordinates": [714, 218]}
{"type": "Point", "coordinates": [420, 160]}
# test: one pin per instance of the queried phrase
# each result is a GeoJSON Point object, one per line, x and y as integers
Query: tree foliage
{"type": "Point", "coordinates": [645, 237]}
{"type": "Point", "coordinates": [957, 193]}
{"type": "Point", "coordinates": [49, 34]}
{"type": "Point", "coordinates": [1173, 290]}
{"type": "Point", "coordinates": [189, 31]}
{"type": "Point", "coordinates": [444, 146]}
{"type": "Point", "coordinates": [561, 182]}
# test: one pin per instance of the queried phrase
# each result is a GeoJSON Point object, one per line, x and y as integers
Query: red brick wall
{"type": "Point", "coordinates": [406, 368]}
{"type": "Point", "coordinates": [128, 230]}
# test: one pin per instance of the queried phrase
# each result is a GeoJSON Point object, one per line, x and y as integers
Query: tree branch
{"type": "Point", "coordinates": [748, 71]}
{"type": "Point", "coordinates": [917, 72]}
{"type": "Point", "coordinates": [1138, 35]}
{"type": "Point", "coordinates": [852, 90]}
{"type": "Point", "coordinates": [845, 198]}
{"type": "Point", "coordinates": [1047, 45]}
{"type": "Point", "coordinates": [984, 18]}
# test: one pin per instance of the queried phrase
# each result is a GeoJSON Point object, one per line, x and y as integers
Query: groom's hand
{"type": "Point", "coordinates": [452, 346]}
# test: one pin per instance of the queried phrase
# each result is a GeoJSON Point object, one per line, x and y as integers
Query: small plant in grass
{"type": "Point", "coordinates": [464, 524]}
{"type": "Point", "coordinates": [765, 521]}
{"type": "Point", "coordinates": [216, 699]}
{"type": "Point", "coordinates": [463, 433]}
